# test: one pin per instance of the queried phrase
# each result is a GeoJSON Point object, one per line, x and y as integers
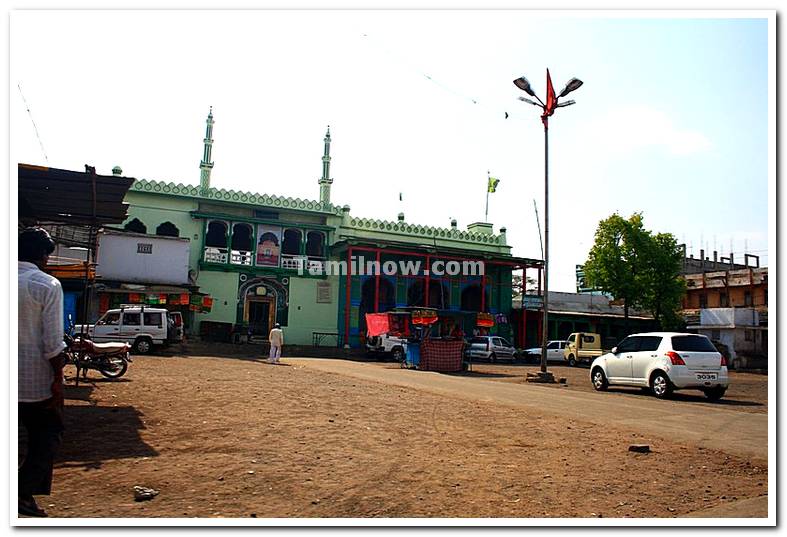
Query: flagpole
{"type": "Point", "coordinates": [545, 338]}
{"type": "Point", "coordinates": [486, 211]}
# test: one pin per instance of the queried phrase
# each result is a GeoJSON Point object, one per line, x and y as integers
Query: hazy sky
{"type": "Point", "coordinates": [672, 119]}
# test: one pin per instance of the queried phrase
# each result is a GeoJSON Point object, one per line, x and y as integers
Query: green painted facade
{"type": "Point", "coordinates": [254, 283]}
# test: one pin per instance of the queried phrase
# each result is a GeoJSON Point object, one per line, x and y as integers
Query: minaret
{"type": "Point", "coordinates": [325, 181]}
{"type": "Point", "coordinates": [206, 165]}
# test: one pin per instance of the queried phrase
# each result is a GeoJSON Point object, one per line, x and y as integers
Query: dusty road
{"type": "Point", "coordinates": [235, 437]}
{"type": "Point", "coordinates": [705, 424]}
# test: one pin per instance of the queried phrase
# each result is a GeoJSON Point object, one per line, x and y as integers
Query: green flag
{"type": "Point", "coordinates": [492, 187]}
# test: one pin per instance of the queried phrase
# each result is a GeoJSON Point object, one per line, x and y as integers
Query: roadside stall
{"type": "Point", "coordinates": [420, 338]}
{"type": "Point", "coordinates": [429, 352]}
{"type": "Point", "coordinates": [484, 323]}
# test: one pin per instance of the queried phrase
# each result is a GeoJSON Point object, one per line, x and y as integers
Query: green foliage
{"type": "Point", "coordinates": [642, 269]}
{"type": "Point", "coordinates": [663, 287]}
{"type": "Point", "coordinates": [516, 285]}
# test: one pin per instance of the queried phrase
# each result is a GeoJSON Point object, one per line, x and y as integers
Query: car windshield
{"type": "Point", "coordinates": [478, 340]}
{"type": "Point", "coordinates": [692, 344]}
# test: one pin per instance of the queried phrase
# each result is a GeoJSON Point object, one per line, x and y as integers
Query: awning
{"type": "Point", "coordinates": [54, 195]}
{"type": "Point", "coordinates": [148, 289]}
{"type": "Point", "coordinates": [377, 324]}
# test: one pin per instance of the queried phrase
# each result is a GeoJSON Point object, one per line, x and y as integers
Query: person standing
{"type": "Point", "coordinates": [276, 338]}
{"type": "Point", "coordinates": [40, 367]}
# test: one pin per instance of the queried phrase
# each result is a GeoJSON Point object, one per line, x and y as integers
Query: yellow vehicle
{"type": "Point", "coordinates": [581, 347]}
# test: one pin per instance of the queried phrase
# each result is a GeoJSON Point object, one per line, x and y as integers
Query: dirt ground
{"type": "Point", "coordinates": [223, 436]}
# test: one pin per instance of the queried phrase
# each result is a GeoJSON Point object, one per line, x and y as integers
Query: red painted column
{"type": "Point", "coordinates": [377, 285]}
{"type": "Point", "coordinates": [428, 274]}
{"type": "Point", "coordinates": [524, 309]}
{"type": "Point", "coordinates": [483, 290]}
{"type": "Point", "coordinates": [347, 285]}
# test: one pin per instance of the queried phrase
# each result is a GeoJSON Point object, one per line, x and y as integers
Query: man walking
{"type": "Point", "coordinates": [40, 399]}
{"type": "Point", "coordinates": [276, 337]}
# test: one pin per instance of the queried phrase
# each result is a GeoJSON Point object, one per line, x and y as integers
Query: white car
{"type": "Point", "coordinates": [554, 352]}
{"type": "Point", "coordinates": [140, 325]}
{"type": "Point", "coordinates": [663, 362]}
{"type": "Point", "coordinates": [490, 348]}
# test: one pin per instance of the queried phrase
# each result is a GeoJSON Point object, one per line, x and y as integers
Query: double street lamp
{"type": "Point", "coordinates": [548, 109]}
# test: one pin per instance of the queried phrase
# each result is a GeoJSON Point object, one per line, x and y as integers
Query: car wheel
{"type": "Point", "coordinates": [714, 394]}
{"type": "Point", "coordinates": [398, 354]}
{"type": "Point", "coordinates": [493, 358]}
{"type": "Point", "coordinates": [660, 385]}
{"type": "Point", "coordinates": [143, 346]}
{"type": "Point", "coordinates": [572, 362]}
{"type": "Point", "coordinates": [599, 380]}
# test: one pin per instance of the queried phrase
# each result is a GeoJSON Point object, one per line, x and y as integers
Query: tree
{"type": "Point", "coordinates": [663, 286]}
{"type": "Point", "coordinates": [617, 261]}
{"type": "Point", "coordinates": [642, 269]}
{"type": "Point", "coordinates": [517, 287]}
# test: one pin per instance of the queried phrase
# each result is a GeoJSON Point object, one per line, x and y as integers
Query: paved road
{"type": "Point", "coordinates": [736, 433]}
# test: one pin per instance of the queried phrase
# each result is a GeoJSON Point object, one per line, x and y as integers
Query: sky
{"type": "Point", "coordinates": [672, 119]}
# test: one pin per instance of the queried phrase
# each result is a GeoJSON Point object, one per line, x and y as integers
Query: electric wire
{"type": "Point", "coordinates": [35, 127]}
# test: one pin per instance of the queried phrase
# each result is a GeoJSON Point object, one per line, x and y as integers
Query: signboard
{"type": "Point", "coordinates": [268, 245]}
{"type": "Point", "coordinates": [533, 302]}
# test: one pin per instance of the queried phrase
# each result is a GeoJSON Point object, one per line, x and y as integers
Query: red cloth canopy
{"type": "Point", "coordinates": [377, 324]}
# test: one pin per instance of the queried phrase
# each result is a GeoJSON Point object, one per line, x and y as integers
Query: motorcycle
{"type": "Point", "coordinates": [109, 359]}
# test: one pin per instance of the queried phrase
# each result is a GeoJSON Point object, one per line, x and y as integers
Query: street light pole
{"type": "Point", "coordinates": [548, 109]}
{"type": "Point", "coordinates": [545, 337]}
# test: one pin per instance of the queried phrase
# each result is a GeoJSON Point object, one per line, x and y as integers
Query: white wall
{"type": "Point", "coordinates": [120, 258]}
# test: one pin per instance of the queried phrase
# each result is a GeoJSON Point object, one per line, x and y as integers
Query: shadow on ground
{"type": "Point", "coordinates": [683, 397]}
{"type": "Point", "coordinates": [117, 426]}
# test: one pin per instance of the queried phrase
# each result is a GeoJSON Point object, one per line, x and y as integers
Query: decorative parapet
{"type": "Point", "coordinates": [383, 226]}
{"type": "Point", "coordinates": [233, 196]}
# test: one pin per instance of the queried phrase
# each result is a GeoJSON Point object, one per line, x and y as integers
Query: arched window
{"type": "Point", "coordinates": [291, 245]}
{"type": "Point", "coordinates": [314, 244]}
{"type": "Point", "coordinates": [217, 234]}
{"type": "Point", "coordinates": [386, 299]}
{"type": "Point", "coordinates": [136, 226]}
{"type": "Point", "coordinates": [471, 298]}
{"type": "Point", "coordinates": [168, 229]}
{"type": "Point", "coordinates": [439, 295]}
{"type": "Point", "coordinates": [241, 237]}
{"type": "Point", "coordinates": [415, 293]}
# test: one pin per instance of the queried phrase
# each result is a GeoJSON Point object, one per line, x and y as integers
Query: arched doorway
{"type": "Point", "coordinates": [471, 298]}
{"type": "Point", "coordinates": [262, 302]}
{"type": "Point", "coordinates": [415, 293]}
{"type": "Point", "coordinates": [439, 295]}
{"type": "Point", "coordinates": [386, 299]}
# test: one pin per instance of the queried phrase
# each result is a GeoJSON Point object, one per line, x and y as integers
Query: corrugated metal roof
{"type": "Point", "coordinates": [55, 195]}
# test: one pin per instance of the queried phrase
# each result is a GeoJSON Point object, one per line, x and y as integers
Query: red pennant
{"type": "Point", "coordinates": [551, 98]}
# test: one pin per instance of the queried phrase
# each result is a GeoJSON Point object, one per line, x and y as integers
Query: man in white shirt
{"type": "Point", "coordinates": [40, 368]}
{"type": "Point", "coordinates": [276, 338]}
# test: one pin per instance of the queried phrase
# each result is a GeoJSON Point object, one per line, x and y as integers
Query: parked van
{"type": "Point", "coordinates": [582, 347]}
{"type": "Point", "coordinates": [141, 326]}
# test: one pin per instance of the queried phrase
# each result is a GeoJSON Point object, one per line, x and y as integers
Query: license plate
{"type": "Point", "coordinates": [706, 376]}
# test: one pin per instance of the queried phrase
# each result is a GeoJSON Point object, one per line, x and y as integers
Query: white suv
{"type": "Point", "coordinates": [663, 362]}
{"type": "Point", "coordinates": [141, 326]}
